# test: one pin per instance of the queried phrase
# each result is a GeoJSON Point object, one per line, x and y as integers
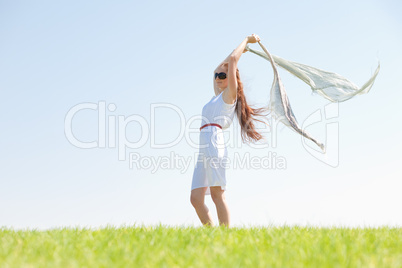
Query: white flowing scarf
{"type": "Point", "coordinates": [331, 86]}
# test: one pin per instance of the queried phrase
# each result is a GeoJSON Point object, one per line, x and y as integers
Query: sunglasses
{"type": "Point", "coordinates": [220, 75]}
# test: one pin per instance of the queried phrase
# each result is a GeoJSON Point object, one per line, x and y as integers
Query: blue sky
{"type": "Point", "coordinates": [130, 55]}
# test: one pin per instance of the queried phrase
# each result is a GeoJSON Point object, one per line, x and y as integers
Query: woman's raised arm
{"type": "Point", "coordinates": [231, 62]}
{"type": "Point", "coordinates": [233, 59]}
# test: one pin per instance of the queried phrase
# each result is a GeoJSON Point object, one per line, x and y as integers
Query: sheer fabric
{"type": "Point", "coordinates": [331, 86]}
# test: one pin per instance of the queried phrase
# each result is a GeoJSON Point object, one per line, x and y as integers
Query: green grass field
{"type": "Point", "coordinates": [166, 246]}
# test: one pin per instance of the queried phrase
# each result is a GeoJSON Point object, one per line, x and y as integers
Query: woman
{"type": "Point", "coordinates": [209, 173]}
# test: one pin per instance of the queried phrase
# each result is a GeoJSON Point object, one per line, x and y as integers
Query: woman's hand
{"type": "Point", "coordinates": [253, 38]}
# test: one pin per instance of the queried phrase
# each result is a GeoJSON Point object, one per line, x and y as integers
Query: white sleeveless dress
{"type": "Point", "coordinates": [210, 169]}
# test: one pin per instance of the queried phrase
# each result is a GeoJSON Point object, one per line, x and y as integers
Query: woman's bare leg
{"type": "Point", "coordinates": [218, 196]}
{"type": "Point", "coordinates": [197, 199]}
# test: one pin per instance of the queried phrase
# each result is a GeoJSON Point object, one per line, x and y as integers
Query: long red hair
{"type": "Point", "coordinates": [246, 115]}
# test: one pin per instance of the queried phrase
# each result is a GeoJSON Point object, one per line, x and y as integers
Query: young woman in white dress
{"type": "Point", "coordinates": [229, 99]}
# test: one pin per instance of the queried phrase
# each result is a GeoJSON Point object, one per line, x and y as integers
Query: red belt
{"type": "Point", "coordinates": [212, 124]}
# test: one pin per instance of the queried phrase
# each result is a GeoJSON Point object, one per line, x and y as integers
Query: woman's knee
{"type": "Point", "coordinates": [197, 197]}
{"type": "Point", "coordinates": [217, 194]}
